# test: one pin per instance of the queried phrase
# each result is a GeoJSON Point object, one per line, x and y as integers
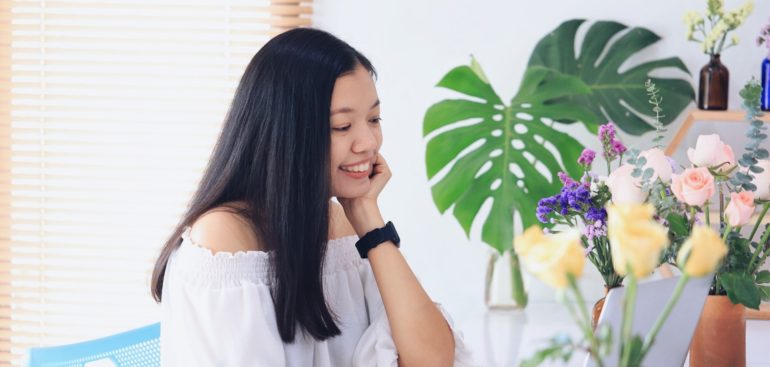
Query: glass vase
{"type": "Point", "coordinates": [504, 284]}
{"type": "Point", "coordinates": [714, 85]}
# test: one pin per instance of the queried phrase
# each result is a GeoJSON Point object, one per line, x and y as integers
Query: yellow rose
{"type": "Point", "coordinates": [702, 252]}
{"type": "Point", "coordinates": [528, 240]}
{"type": "Point", "coordinates": [551, 258]}
{"type": "Point", "coordinates": [635, 238]}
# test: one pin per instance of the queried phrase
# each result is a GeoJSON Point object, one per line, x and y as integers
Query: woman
{"type": "Point", "coordinates": [265, 269]}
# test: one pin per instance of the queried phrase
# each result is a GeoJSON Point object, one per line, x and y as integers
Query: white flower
{"type": "Point", "coordinates": [625, 189]}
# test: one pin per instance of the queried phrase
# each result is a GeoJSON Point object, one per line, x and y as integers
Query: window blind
{"type": "Point", "coordinates": [109, 110]}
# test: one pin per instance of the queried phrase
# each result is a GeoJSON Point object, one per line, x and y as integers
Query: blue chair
{"type": "Point", "coordinates": [134, 348]}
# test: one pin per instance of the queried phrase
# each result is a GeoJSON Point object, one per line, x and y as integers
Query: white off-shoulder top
{"type": "Point", "coordinates": [217, 311]}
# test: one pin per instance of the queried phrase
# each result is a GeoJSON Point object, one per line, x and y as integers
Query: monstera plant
{"type": "Point", "coordinates": [511, 153]}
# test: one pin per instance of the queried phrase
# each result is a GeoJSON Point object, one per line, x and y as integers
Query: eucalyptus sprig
{"type": "Point", "coordinates": [655, 100]}
{"type": "Point", "coordinates": [753, 151]}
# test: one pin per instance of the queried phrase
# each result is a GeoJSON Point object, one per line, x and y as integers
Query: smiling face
{"type": "Point", "coordinates": [355, 133]}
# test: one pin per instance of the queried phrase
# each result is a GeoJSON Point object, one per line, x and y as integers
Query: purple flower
{"type": "Point", "coordinates": [566, 180]}
{"type": "Point", "coordinates": [545, 207]}
{"type": "Point", "coordinates": [596, 214]}
{"type": "Point", "coordinates": [591, 231]}
{"type": "Point", "coordinates": [587, 157]}
{"type": "Point", "coordinates": [607, 132]}
{"type": "Point", "coordinates": [610, 144]}
{"type": "Point", "coordinates": [618, 148]}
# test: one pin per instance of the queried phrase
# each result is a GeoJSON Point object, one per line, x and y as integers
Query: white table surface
{"type": "Point", "coordinates": [504, 338]}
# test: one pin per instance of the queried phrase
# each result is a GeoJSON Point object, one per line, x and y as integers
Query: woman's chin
{"type": "Point", "coordinates": [351, 192]}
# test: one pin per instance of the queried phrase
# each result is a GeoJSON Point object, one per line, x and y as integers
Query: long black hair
{"type": "Point", "coordinates": [273, 155]}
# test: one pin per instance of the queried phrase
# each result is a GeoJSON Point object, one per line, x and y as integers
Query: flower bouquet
{"type": "Point", "coordinates": [681, 200]}
{"type": "Point", "coordinates": [637, 241]}
{"type": "Point", "coordinates": [675, 222]}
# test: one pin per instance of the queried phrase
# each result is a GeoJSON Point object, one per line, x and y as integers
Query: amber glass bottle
{"type": "Point", "coordinates": [714, 85]}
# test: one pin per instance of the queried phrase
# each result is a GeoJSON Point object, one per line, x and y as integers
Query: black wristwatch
{"type": "Point", "coordinates": [376, 237]}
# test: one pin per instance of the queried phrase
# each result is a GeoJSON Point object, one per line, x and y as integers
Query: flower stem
{"type": "Point", "coordinates": [708, 214]}
{"type": "Point", "coordinates": [759, 220]}
{"type": "Point", "coordinates": [692, 216]}
{"type": "Point", "coordinates": [727, 232]}
{"type": "Point", "coordinates": [628, 316]}
{"type": "Point", "coordinates": [517, 282]}
{"type": "Point", "coordinates": [721, 206]}
{"type": "Point", "coordinates": [666, 311]}
{"type": "Point", "coordinates": [583, 320]}
{"type": "Point", "coordinates": [760, 248]}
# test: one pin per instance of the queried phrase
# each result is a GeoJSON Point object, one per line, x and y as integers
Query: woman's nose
{"type": "Point", "coordinates": [366, 140]}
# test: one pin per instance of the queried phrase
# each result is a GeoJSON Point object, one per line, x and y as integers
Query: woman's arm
{"type": "Point", "coordinates": [420, 332]}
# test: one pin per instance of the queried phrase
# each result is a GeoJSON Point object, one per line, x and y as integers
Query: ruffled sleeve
{"type": "Point", "coordinates": [376, 346]}
{"type": "Point", "coordinates": [217, 310]}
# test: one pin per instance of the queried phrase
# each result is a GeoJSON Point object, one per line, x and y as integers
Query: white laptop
{"type": "Point", "coordinates": [673, 341]}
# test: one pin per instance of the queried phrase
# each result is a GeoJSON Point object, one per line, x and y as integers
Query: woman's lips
{"type": "Point", "coordinates": [357, 175]}
{"type": "Point", "coordinates": [358, 170]}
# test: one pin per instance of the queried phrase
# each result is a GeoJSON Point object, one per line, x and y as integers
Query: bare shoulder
{"type": "Point", "coordinates": [338, 222]}
{"type": "Point", "coordinates": [222, 230]}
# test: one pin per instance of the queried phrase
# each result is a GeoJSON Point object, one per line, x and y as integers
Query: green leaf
{"type": "Point", "coordinates": [763, 277]}
{"type": "Point", "coordinates": [678, 224]}
{"type": "Point", "coordinates": [617, 91]}
{"type": "Point", "coordinates": [765, 293]}
{"type": "Point", "coordinates": [741, 289]}
{"type": "Point", "coordinates": [636, 343]}
{"type": "Point", "coordinates": [560, 348]}
{"type": "Point", "coordinates": [509, 154]}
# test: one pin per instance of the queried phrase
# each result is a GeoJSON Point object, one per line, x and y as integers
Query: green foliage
{"type": "Point", "coordinates": [653, 92]}
{"type": "Point", "coordinates": [763, 277]}
{"type": "Point", "coordinates": [499, 154]}
{"type": "Point", "coordinates": [765, 292]}
{"type": "Point", "coordinates": [616, 95]}
{"type": "Point", "coordinates": [741, 288]}
{"type": "Point", "coordinates": [636, 355]}
{"type": "Point", "coordinates": [560, 348]}
{"type": "Point", "coordinates": [754, 151]}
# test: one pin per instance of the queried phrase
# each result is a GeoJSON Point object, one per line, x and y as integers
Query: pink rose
{"type": "Point", "coordinates": [762, 180]}
{"type": "Point", "coordinates": [659, 163]}
{"type": "Point", "coordinates": [740, 209]}
{"type": "Point", "coordinates": [694, 186]}
{"type": "Point", "coordinates": [624, 188]}
{"type": "Point", "coordinates": [725, 159]}
{"type": "Point", "coordinates": [710, 151]}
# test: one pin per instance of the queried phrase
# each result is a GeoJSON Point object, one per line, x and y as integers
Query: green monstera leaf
{"type": "Point", "coordinates": [616, 90]}
{"type": "Point", "coordinates": [507, 153]}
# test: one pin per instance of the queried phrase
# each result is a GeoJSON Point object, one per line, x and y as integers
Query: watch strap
{"type": "Point", "coordinates": [376, 237]}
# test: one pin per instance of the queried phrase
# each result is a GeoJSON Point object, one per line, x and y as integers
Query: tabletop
{"type": "Point", "coordinates": [503, 338]}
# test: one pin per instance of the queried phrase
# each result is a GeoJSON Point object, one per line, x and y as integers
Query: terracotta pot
{"type": "Point", "coordinates": [720, 339]}
{"type": "Point", "coordinates": [599, 306]}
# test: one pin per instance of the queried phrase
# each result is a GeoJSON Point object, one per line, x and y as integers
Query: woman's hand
{"type": "Point", "coordinates": [363, 211]}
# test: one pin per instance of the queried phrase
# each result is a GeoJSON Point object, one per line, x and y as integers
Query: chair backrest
{"type": "Point", "coordinates": [135, 348]}
{"type": "Point", "coordinates": [673, 341]}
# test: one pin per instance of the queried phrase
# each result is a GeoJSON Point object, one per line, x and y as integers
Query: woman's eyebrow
{"type": "Point", "coordinates": [349, 110]}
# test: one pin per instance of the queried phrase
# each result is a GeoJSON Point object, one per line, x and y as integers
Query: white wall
{"type": "Point", "coordinates": [414, 43]}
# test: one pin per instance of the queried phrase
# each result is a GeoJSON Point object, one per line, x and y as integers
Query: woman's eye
{"type": "Point", "coordinates": [376, 120]}
{"type": "Point", "coordinates": [344, 128]}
